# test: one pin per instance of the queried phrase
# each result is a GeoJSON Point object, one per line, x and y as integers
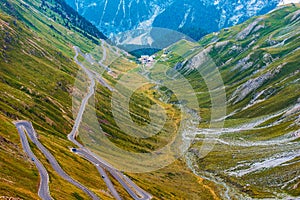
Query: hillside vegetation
{"type": "Point", "coordinates": [257, 153]}
{"type": "Point", "coordinates": [37, 74]}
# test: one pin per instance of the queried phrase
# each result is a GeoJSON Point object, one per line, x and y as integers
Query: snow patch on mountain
{"type": "Point", "coordinates": [283, 2]}
{"type": "Point", "coordinates": [185, 17]}
{"type": "Point", "coordinates": [114, 17]}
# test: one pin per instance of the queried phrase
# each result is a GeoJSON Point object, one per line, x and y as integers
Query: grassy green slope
{"type": "Point", "coordinates": [164, 183]}
{"type": "Point", "coordinates": [37, 74]}
{"type": "Point", "coordinates": [259, 64]}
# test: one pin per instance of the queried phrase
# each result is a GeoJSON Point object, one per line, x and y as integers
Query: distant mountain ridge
{"type": "Point", "coordinates": [256, 156]}
{"type": "Point", "coordinates": [194, 18]}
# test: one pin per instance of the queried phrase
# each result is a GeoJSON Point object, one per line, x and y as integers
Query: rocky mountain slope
{"type": "Point", "coordinates": [37, 84]}
{"type": "Point", "coordinates": [193, 18]}
{"type": "Point", "coordinates": [256, 154]}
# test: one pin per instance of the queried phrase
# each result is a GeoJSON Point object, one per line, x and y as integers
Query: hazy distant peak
{"type": "Point", "coordinates": [283, 2]}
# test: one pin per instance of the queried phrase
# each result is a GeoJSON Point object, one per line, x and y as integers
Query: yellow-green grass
{"type": "Point", "coordinates": [176, 181]}
{"type": "Point", "coordinates": [19, 177]}
{"type": "Point", "coordinates": [36, 81]}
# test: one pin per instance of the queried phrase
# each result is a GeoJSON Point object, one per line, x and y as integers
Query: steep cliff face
{"type": "Point", "coordinates": [194, 18]}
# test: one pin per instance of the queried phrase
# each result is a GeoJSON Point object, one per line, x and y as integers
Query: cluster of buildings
{"type": "Point", "coordinates": [150, 60]}
{"type": "Point", "coordinates": [147, 60]}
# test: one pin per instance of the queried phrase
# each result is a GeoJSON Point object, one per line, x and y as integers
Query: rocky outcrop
{"type": "Point", "coordinates": [199, 60]}
{"type": "Point", "coordinates": [244, 63]}
{"type": "Point", "coordinates": [221, 44]}
{"type": "Point", "coordinates": [295, 109]}
{"type": "Point", "coordinates": [251, 85]}
{"type": "Point", "coordinates": [251, 28]}
{"type": "Point", "coordinates": [296, 16]}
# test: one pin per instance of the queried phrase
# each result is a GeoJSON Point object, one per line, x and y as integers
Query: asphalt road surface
{"type": "Point", "coordinates": [24, 126]}
{"type": "Point", "coordinates": [78, 119]}
{"type": "Point", "coordinates": [108, 182]}
{"type": "Point", "coordinates": [133, 190]}
{"type": "Point", "coordinates": [44, 177]}
{"type": "Point", "coordinates": [33, 137]}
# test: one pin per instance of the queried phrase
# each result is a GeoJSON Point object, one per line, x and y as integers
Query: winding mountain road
{"type": "Point", "coordinates": [108, 182]}
{"type": "Point", "coordinates": [43, 192]}
{"type": "Point", "coordinates": [133, 190]}
{"type": "Point", "coordinates": [25, 125]}
{"type": "Point", "coordinates": [91, 91]}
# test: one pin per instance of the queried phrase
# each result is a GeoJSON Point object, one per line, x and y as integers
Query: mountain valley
{"type": "Point", "coordinates": [224, 109]}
